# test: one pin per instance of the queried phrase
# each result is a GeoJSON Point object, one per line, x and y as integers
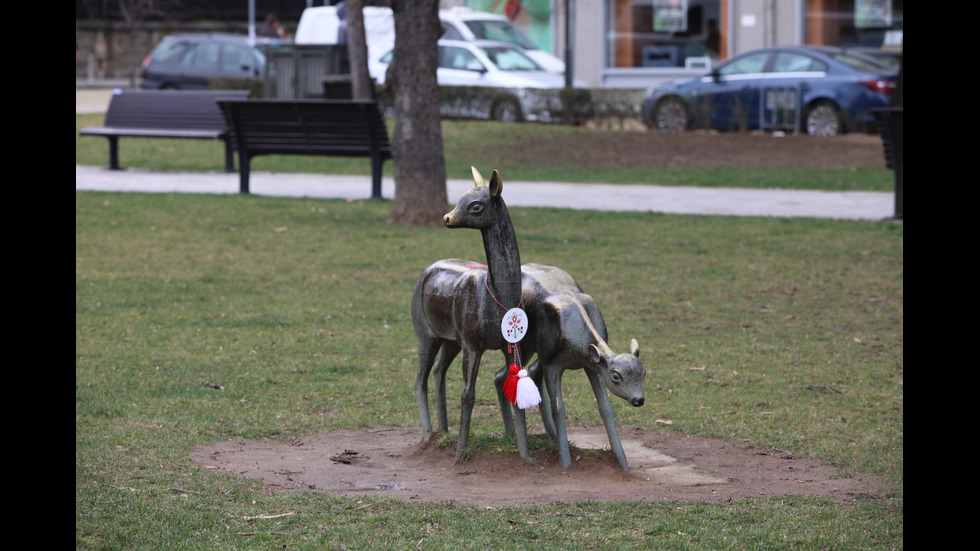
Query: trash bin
{"type": "Point", "coordinates": [890, 122]}
{"type": "Point", "coordinates": [337, 87]}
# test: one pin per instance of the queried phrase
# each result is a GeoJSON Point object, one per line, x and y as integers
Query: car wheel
{"type": "Point", "coordinates": [823, 119]}
{"type": "Point", "coordinates": [506, 110]}
{"type": "Point", "coordinates": [670, 116]}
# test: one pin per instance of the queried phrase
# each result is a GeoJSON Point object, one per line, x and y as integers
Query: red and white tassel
{"type": "Point", "coordinates": [527, 392]}
{"type": "Point", "coordinates": [519, 389]}
{"type": "Point", "coordinates": [510, 384]}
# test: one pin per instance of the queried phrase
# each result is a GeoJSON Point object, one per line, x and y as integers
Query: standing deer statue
{"type": "Point", "coordinates": [457, 307]}
{"type": "Point", "coordinates": [566, 331]}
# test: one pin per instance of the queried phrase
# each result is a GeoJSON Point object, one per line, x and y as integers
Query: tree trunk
{"type": "Point", "coordinates": [420, 168]}
{"type": "Point", "coordinates": [361, 86]}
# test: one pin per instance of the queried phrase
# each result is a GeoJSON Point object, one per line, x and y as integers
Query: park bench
{"type": "Point", "coordinates": [192, 114]}
{"type": "Point", "coordinates": [338, 128]}
{"type": "Point", "coordinates": [891, 127]}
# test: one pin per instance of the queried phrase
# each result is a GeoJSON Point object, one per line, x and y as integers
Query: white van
{"type": "Point", "coordinates": [321, 25]}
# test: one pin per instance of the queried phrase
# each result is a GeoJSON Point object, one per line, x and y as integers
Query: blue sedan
{"type": "Point", "coordinates": [821, 90]}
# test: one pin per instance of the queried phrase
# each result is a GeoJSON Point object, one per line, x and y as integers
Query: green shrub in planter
{"type": "Point", "coordinates": [553, 105]}
{"type": "Point", "coordinates": [613, 106]}
{"type": "Point", "coordinates": [255, 85]}
{"type": "Point", "coordinates": [576, 105]}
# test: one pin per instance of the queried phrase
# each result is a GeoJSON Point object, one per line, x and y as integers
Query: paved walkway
{"type": "Point", "coordinates": [850, 205]}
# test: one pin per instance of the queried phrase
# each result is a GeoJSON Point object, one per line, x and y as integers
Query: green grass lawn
{"type": "Point", "coordinates": [499, 145]}
{"type": "Point", "coordinates": [299, 309]}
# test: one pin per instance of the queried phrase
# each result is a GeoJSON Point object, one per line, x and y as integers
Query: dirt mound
{"type": "Point", "coordinates": [394, 462]}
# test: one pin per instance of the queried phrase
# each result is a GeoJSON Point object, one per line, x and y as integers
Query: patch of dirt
{"type": "Point", "coordinates": [395, 462]}
{"type": "Point", "coordinates": [701, 148]}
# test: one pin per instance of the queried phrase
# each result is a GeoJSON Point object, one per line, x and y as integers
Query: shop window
{"type": "Point", "coordinates": [852, 22]}
{"type": "Point", "coordinates": [663, 33]}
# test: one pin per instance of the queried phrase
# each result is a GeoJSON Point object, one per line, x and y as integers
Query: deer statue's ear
{"type": "Point", "coordinates": [634, 348]}
{"type": "Point", "coordinates": [496, 184]}
{"type": "Point", "coordinates": [595, 355]}
{"type": "Point", "coordinates": [478, 178]}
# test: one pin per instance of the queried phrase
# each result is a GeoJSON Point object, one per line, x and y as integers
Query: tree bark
{"type": "Point", "coordinates": [420, 168]}
{"type": "Point", "coordinates": [361, 86]}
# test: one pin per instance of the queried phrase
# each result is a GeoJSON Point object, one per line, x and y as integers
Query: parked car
{"type": "Point", "coordinates": [326, 25]}
{"type": "Point", "coordinates": [821, 90]}
{"type": "Point", "coordinates": [322, 24]}
{"type": "Point", "coordinates": [500, 66]}
{"type": "Point", "coordinates": [186, 61]}
{"type": "Point", "coordinates": [461, 23]}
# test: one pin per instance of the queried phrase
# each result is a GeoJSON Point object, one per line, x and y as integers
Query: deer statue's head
{"type": "Point", "coordinates": [480, 207]}
{"type": "Point", "coordinates": [623, 373]}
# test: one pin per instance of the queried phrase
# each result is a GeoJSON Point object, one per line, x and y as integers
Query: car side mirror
{"type": "Point", "coordinates": [476, 66]}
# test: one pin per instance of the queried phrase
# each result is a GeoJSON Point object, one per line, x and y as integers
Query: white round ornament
{"type": "Point", "coordinates": [514, 325]}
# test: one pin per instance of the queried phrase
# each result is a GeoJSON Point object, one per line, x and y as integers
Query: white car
{"type": "Point", "coordinates": [460, 23]}
{"type": "Point", "coordinates": [492, 65]}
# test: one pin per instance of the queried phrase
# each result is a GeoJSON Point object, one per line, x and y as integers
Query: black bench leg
{"type": "Point", "coordinates": [113, 152]}
{"type": "Point", "coordinates": [229, 157]}
{"type": "Point", "coordinates": [244, 162]}
{"type": "Point", "coordinates": [376, 169]}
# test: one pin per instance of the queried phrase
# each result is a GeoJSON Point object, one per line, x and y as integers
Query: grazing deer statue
{"type": "Point", "coordinates": [458, 307]}
{"type": "Point", "coordinates": [567, 331]}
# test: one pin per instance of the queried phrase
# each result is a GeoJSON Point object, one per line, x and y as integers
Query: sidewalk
{"type": "Point", "coordinates": [845, 205]}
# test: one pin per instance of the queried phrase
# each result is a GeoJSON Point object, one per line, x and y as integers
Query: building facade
{"type": "Point", "coordinates": [640, 43]}
{"type": "Point", "coordinates": [615, 43]}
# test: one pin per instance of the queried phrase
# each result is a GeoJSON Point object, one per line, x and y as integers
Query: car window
{"type": "Point", "coordinates": [859, 63]}
{"type": "Point", "coordinates": [510, 59]}
{"type": "Point", "coordinates": [788, 62]}
{"type": "Point", "coordinates": [236, 57]}
{"type": "Point", "coordinates": [752, 63]}
{"type": "Point", "coordinates": [205, 56]}
{"type": "Point", "coordinates": [168, 50]}
{"type": "Point", "coordinates": [503, 31]}
{"type": "Point", "coordinates": [459, 58]}
{"type": "Point", "coordinates": [450, 32]}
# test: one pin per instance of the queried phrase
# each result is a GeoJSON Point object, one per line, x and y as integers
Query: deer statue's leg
{"type": "Point", "coordinates": [471, 367]}
{"type": "Point", "coordinates": [428, 348]}
{"type": "Point", "coordinates": [606, 411]}
{"type": "Point", "coordinates": [520, 424]}
{"type": "Point", "coordinates": [450, 350]}
{"type": "Point", "coordinates": [552, 380]}
{"type": "Point", "coordinates": [547, 418]}
{"type": "Point", "coordinates": [498, 380]}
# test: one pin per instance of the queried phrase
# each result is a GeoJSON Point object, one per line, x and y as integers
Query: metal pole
{"type": "Point", "coordinates": [569, 62]}
{"type": "Point", "coordinates": [251, 22]}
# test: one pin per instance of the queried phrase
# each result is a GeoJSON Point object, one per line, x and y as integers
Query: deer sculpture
{"type": "Point", "coordinates": [567, 332]}
{"type": "Point", "coordinates": [566, 329]}
{"type": "Point", "coordinates": [458, 307]}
